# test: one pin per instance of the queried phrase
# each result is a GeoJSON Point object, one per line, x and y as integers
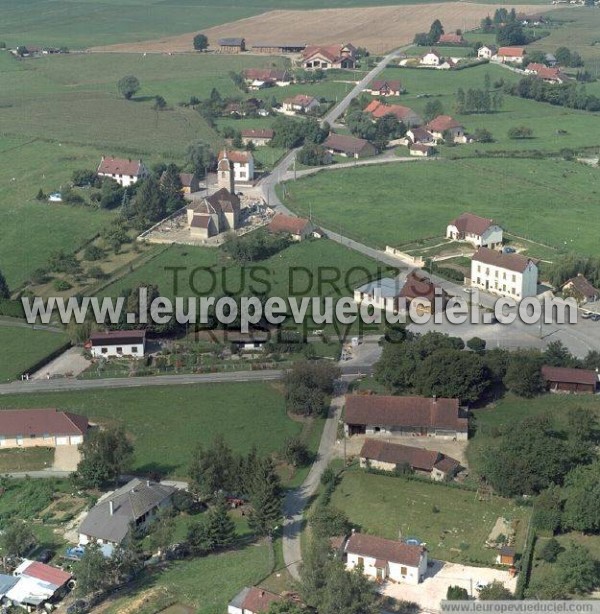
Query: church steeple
{"type": "Point", "coordinates": [225, 174]}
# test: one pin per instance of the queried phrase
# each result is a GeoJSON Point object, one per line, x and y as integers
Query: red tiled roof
{"type": "Point", "coordinates": [119, 166]}
{"type": "Point", "coordinates": [418, 286]}
{"type": "Point", "coordinates": [512, 52]}
{"type": "Point", "coordinates": [384, 549]}
{"type": "Point", "coordinates": [447, 464]}
{"type": "Point", "coordinates": [186, 179]}
{"type": "Point", "coordinates": [27, 422]}
{"type": "Point", "coordinates": [288, 223]}
{"type": "Point", "coordinates": [471, 223]}
{"type": "Point", "coordinates": [300, 100]}
{"type": "Point", "coordinates": [201, 220]}
{"type": "Point", "coordinates": [258, 133]}
{"type": "Point", "coordinates": [332, 52]}
{"type": "Point", "coordinates": [222, 200]}
{"type": "Point", "coordinates": [379, 109]}
{"type": "Point", "coordinates": [451, 38]}
{"type": "Point", "coordinates": [442, 123]}
{"type": "Point", "coordinates": [345, 143]}
{"type": "Point", "coordinates": [392, 86]}
{"type": "Point", "coordinates": [421, 147]}
{"type": "Point", "coordinates": [47, 573]}
{"type": "Point", "coordinates": [404, 411]}
{"type": "Point", "coordinates": [241, 157]}
{"type": "Point", "coordinates": [259, 600]}
{"type": "Point", "coordinates": [511, 262]}
{"type": "Point", "coordinates": [582, 286]}
{"type": "Point", "coordinates": [117, 336]}
{"type": "Point", "coordinates": [266, 74]}
{"type": "Point", "coordinates": [417, 458]}
{"type": "Point", "coordinates": [569, 376]}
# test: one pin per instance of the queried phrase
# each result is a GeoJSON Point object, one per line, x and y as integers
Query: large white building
{"type": "Point", "coordinates": [242, 163]}
{"type": "Point", "coordinates": [478, 231]}
{"type": "Point", "coordinates": [386, 559]}
{"type": "Point", "coordinates": [382, 294]}
{"type": "Point", "coordinates": [512, 275]}
{"type": "Point", "coordinates": [118, 343]}
{"type": "Point", "coordinates": [124, 172]}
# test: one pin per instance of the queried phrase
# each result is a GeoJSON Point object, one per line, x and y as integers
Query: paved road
{"type": "Point", "coordinates": [297, 499]}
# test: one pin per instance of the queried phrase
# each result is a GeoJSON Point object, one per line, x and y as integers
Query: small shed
{"type": "Point", "coordinates": [506, 556]}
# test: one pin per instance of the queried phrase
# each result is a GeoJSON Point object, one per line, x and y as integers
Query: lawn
{"type": "Point", "coordinates": [393, 506]}
{"type": "Point", "coordinates": [527, 197]}
{"type": "Point", "coordinates": [23, 347]}
{"type": "Point", "coordinates": [511, 408]}
{"type": "Point", "coordinates": [165, 438]}
{"type": "Point", "coordinates": [25, 459]}
{"type": "Point", "coordinates": [207, 583]}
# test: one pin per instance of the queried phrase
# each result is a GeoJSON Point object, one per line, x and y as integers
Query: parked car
{"type": "Point", "coordinates": [509, 250]}
{"type": "Point", "coordinates": [595, 317]}
{"type": "Point", "coordinates": [586, 315]}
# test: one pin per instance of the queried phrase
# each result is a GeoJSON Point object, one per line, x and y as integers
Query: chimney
{"type": "Point", "coordinates": [435, 398]}
{"type": "Point", "coordinates": [262, 593]}
{"type": "Point", "coordinates": [148, 483]}
{"type": "Point", "coordinates": [111, 507]}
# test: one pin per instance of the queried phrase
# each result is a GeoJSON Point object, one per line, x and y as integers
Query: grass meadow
{"type": "Point", "coordinates": [388, 506]}
{"type": "Point", "coordinates": [24, 347]}
{"type": "Point", "coordinates": [167, 422]}
{"type": "Point", "coordinates": [416, 200]}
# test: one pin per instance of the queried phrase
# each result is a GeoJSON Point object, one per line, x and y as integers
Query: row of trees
{"type": "Point", "coordinates": [477, 101]}
{"type": "Point", "coordinates": [568, 95]}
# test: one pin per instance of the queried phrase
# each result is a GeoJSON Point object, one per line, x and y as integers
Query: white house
{"type": "Point", "coordinates": [124, 172]}
{"type": "Point", "coordinates": [382, 294]}
{"type": "Point", "coordinates": [478, 231]}
{"type": "Point", "coordinates": [134, 505]}
{"type": "Point", "coordinates": [300, 104]}
{"type": "Point", "coordinates": [512, 275]}
{"type": "Point", "coordinates": [118, 343]}
{"type": "Point", "coordinates": [487, 52]}
{"type": "Point", "coordinates": [386, 559]}
{"type": "Point", "coordinates": [242, 163]}
{"type": "Point", "coordinates": [252, 600]}
{"type": "Point", "coordinates": [510, 55]}
{"type": "Point", "coordinates": [432, 58]}
{"type": "Point", "coordinates": [445, 125]}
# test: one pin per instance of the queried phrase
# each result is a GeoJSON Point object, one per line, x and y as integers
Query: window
{"type": "Point", "coordinates": [514, 278]}
{"type": "Point", "coordinates": [119, 350]}
{"type": "Point", "coordinates": [361, 561]}
{"type": "Point", "coordinates": [134, 350]}
{"type": "Point", "coordinates": [32, 436]}
{"type": "Point", "coordinates": [479, 268]}
{"type": "Point", "coordinates": [104, 350]}
{"type": "Point", "coordinates": [496, 273]}
{"type": "Point", "coordinates": [403, 571]}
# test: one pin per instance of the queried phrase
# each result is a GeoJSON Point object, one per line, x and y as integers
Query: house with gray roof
{"type": "Point", "coordinates": [134, 505]}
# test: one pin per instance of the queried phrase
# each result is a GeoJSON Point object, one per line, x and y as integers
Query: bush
{"type": "Point", "coordinates": [520, 132]}
{"type": "Point", "coordinates": [61, 285]}
{"type": "Point", "coordinates": [476, 344]}
{"type": "Point", "coordinates": [93, 253]}
{"type": "Point", "coordinates": [550, 550]}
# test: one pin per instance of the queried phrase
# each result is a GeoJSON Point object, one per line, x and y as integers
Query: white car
{"type": "Point", "coordinates": [480, 584]}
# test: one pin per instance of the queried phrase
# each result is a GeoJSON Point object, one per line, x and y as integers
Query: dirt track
{"type": "Point", "coordinates": [378, 28]}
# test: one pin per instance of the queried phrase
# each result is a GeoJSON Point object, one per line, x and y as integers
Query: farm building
{"type": "Point", "coordinates": [581, 290]}
{"type": "Point", "coordinates": [377, 109]}
{"type": "Point", "coordinates": [451, 39]}
{"type": "Point", "coordinates": [124, 172]}
{"type": "Point", "coordinates": [258, 136]}
{"type": "Point", "coordinates": [349, 146]}
{"type": "Point", "coordinates": [392, 457]}
{"type": "Point", "coordinates": [546, 73]}
{"type": "Point", "coordinates": [231, 45]}
{"type": "Point", "coordinates": [274, 48]}
{"type": "Point", "coordinates": [37, 583]}
{"type": "Point", "coordinates": [476, 230]}
{"type": "Point", "coordinates": [385, 88]}
{"type": "Point", "coordinates": [420, 135]}
{"type": "Point", "coordinates": [405, 416]}
{"type": "Point", "coordinates": [444, 124]}
{"type": "Point", "coordinates": [118, 343]}
{"type": "Point", "coordinates": [564, 379]}
{"type": "Point", "coordinates": [28, 428]}
{"type": "Point", "coordinates": [386, 559]}
{"type": "Point", "coordinates": [298, 228]}
{"type": "Point", "coordinates": [252, 600]}
{"type": "Point", "coordinates": [258, 78]}
{"type": "Point", "coordinates": [512, 275]}
{"type": "Point", "coordinates": [214, 215]}
{"type": "Point", "coordinates": [134, 505]}
{"type": "Point", "coordinates": [300, 104]}
{"type": "Point", "coordinates": [422, 150]}
{"type": "Point", "coordinates": [510, 55]}
{"type": "Point", "coordinates": [382, 294]}
{"type": "Point", "coordinates": [329, 56]}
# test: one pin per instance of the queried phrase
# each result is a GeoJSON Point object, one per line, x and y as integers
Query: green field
{"type": "Point", "coordinates": [24, 347]}
{"type": "Point", "coordinates": [384, 505]}
{"type": "Point", "coordinates": [397, 203]}
{"type": "Point", "coordinates": [166, 423]}
{"type": "Point", "coordinates": [511, 408]}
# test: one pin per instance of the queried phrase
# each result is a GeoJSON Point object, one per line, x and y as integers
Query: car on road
{"type": "Point", "coordinates": [595, 317]}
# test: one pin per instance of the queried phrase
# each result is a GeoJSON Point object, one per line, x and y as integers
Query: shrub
{"type": "Point", "coordinates": [61, 285]}
{"type": "Point", "coordinates": [520, 132]}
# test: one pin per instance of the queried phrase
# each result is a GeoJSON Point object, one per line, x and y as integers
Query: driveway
{"type": "Point", "coordinates": [69, 364]}
{"type": "Point", "coordinates": [66, 458]}
{"type": "Point", "coordinates": [429, 593]}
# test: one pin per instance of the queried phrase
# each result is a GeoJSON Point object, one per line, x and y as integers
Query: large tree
{"type": "Point", "coordinates": [128, 86]}
{"type": "Point", "coordinates": [221, 528]}
{"type": "Point", "coordinates": [582, 499]}
{"type": "Point", "coordinates": [17, 538]}
{"type": "Point", "coordinates": [92, 570]}
{"type": "Point", "coordinates": [199, 157]}
{"type": "Point", "coordinates": [523, 374]}
{"type": "Point", "coordinates": [265, 498]}
{"type": "Point", "coordinates": [213, 468]}
{"type": "Point", "coordinates": [578, 570]}
{"type": "Point", "coordinates": [161, 532]}
{"type": "Point", "coordinates": [200, 42]}
{"type": "Point", "coordinates": [106, 454]}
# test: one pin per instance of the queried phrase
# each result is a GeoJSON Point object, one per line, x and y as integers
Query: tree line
{"type": "Point", "coordinates": [570, 95]}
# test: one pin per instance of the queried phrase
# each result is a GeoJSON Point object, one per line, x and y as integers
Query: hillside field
{"type": "Point", "coordinates": [398, 203]}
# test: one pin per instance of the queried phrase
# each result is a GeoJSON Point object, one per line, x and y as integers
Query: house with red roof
{"type": "Point", "coordinates": [252, 600]}
{"type": "Point", "coordinates": [234, 165]}
{"type": "Point", "coordinates": [385, 88]}
{"type": "Point", "coordinates": [300, 104]}
{"type": "Point", "coordinates": [349, 146]}
{"type": "Point", "coordinates": [565, 379]}
{"type": "Point", "coordinates": [48, 428]}
{"type": "Point", "coordinates": [124, 171]}
{"type": "Point", "coordinates": [258, 136]}
{"type": "Point", "coordinates": [510, 55]}
{"type": "Point", "coordinates": [259, 78]}
{"type": "Point", "coordinates": [476, 230]}
{"type": "Point", "coordinates": [451, 39]}
{"type": "Point", "coordinates": [381, 415]}
{"type": "Point", "coordinates": [378, 109]}
{"type": "Point", "coordinates": [581, 290]}
{"type": "Point", "coordinates": [445, 125]}
{"type": "Point", "coordinates": [386, 456]}
{"type": "Point", "coordinates": [386, 559]}
{"type": "Point", "coordinates": [512, 275]}
{"type": "Point", "coordinates": [326, 57]}
{"type": "Point", "coordinates": [546, 73]}
{"type": "Point", "coordinates": [421, 150]}
{"type": "Point", "coordinates": [117, 343]}
{"type": "Point", "coordinates": [298, 228]}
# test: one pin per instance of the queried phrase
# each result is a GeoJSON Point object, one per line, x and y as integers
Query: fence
{"type": "Point", "coordinates": [414, 260]}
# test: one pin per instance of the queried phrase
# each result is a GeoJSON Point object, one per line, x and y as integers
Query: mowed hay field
{"type": "Point", "coordinates": [23, 347]}
{"type": "Point", "coordinates": [379, 28]}
{"type": "Point", "coordinates": [550, 201]}
{"type": "Point", "coordinates": [167, 422]}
